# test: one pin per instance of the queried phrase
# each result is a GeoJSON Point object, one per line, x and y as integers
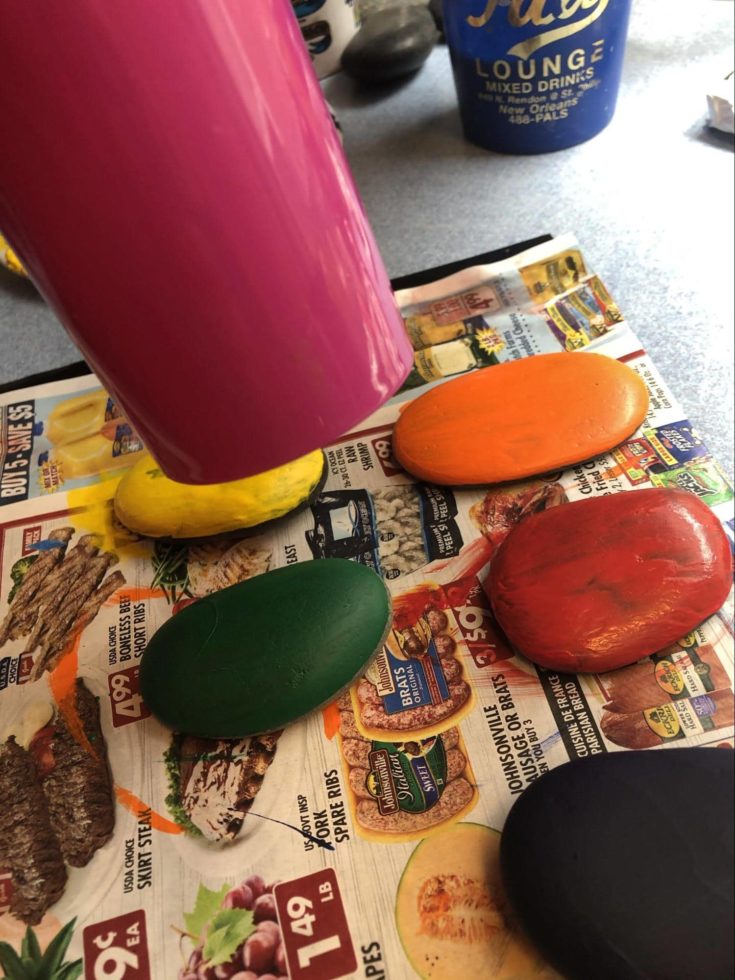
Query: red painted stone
{"type": "Point", "coordinates": [600, 583]}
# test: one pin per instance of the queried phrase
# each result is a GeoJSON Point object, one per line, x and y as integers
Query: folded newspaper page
{"type": "Point", "coordinates": [363, 840]}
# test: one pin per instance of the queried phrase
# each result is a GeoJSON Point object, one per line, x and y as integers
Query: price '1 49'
{"type": "Point", "coordinates": [316, 935]}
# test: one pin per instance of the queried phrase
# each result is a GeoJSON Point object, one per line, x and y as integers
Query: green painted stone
{"type": "Point", "coordinates": [257, 656]}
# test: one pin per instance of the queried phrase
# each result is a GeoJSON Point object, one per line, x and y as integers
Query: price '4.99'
{"type": "Point", "coordinates": [315, 932]}
{"type": "Point", "coordinates": [125, 698]}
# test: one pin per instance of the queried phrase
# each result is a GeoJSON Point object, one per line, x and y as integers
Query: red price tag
{"type": "Point", "coordinates": [25, 666]}
{"type": "Point", "coordinates": [383, 449]}
{"type": "Point", "coordinates": [125, 698]}
{"type": "Point", "coordinates": [117, 949]}
{"type": "Point", "coordinates": [479, 630]}
{"type": "Point", "coordinates": [31, 536]}
{"type": "Point", "coordinates": [314, 926]}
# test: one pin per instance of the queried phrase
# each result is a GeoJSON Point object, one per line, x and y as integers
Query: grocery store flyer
{"type": "Point", "coordinates": [60, 438]}
{"type": "Point", "coordinates": [361, 841]}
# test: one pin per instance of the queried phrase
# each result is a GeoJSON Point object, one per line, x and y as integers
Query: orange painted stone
{"type": "Point", "coordinates": [520, 419]}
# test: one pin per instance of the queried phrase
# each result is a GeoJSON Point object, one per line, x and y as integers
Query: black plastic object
{"type": "Point", "coordinates": [436, 9]}
{"type": "Point", "coordinates": [392, 43]}
{"type": "Point", "coordinates": [620, 866]}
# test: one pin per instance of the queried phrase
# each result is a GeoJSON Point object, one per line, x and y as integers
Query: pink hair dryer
{"type": "Point", "coordinates": [171, 179]}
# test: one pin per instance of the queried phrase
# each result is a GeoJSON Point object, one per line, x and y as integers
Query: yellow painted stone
{"type": "Point", "coordinates": [149, 503]}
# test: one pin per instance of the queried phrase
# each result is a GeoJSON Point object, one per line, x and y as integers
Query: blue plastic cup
{"type": "Point", "coordinates": [535, 75]}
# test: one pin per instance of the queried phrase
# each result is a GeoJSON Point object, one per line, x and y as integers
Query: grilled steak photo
{"type": "Point", "coordinates": [22, 612]}
{"type": "Point", "coordinates": [79, 786]}
{"type": "Point", "coordinates": [214, 781]}
{"type": "Point", "coordinates": [28, 845]}
{"type": "Point", "coordinates": [59, 595]}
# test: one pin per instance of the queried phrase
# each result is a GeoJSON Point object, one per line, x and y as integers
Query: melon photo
{"type": "Point", "coordinates": [451, 915]}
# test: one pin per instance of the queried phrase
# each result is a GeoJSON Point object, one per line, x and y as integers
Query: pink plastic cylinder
{"type": "Point", "coordinates": [171, 178]}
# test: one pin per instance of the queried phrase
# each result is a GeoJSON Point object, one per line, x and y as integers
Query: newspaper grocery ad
{"type": "Point", "coordinates": [61, 440]}
{"type": "Point", "coordinates": [354, 842]}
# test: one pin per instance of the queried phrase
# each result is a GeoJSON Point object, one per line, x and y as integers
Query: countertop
{"type": "Point", "coordinates": [650, 200]}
